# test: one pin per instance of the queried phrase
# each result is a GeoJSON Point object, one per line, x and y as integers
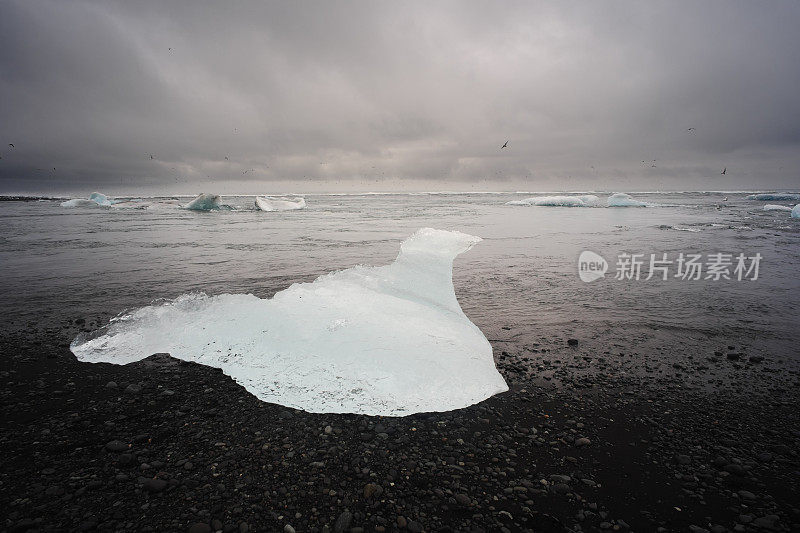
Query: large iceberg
{"type": "Point", "coordinates": [587, 200]}
{"type": "Point", "coordinates": [773, 207]}
{"type": "Point", "coordinates": [622, 199]}
{"type": "Point", "coordinates": [796, 211]}
{"type": "Point", "coordinates": [204, 202]}
{"type": "Point", "coordinates": [389, 340]}
{"type": "Point", "coordinates": [775, 197]}
{"type": "Point", "coordinates": [269, 203]}
{"type": "Point", "coordinates": [95, 199]}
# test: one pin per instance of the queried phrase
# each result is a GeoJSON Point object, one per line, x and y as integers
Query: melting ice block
{"type": "Point", "coordinates": [204, 202]}
{"type": "Point", "coordinates": [622, 199]}
{"type": "Point", "coordinates": [796, 211]}
{"type": "Point", "coordinates": [389, 340]}
{"type": "Point", "coordinates": [587, 200]}
{"type": "Point", "coordinates": [94, 200]}
{"type": "Point", "coordinates": [268, 203]}
{"type": "Point", "coordinates": [773, 207]}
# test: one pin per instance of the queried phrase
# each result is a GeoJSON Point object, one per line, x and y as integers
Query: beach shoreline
{"type": "Point", "coordinates": [165, 445]}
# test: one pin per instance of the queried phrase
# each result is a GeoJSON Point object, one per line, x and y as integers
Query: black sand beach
{"type": "Point", "coordinates": [164, 445]}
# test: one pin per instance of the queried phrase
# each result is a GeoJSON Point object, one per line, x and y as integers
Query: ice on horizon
{"type": "Point", "coordinates": [587, 200]}
{"type": "Point", "coordinates": [205, 202]}
{"type": "Point", "coordinates": [95, 199]}
{"type": "Point", "coordinates": [775, 197]}
{"type": "Point", "coordinates": [389, 340]}
{"type": "Point", "coordinates": [271, 203]}
{"type": "Point", "coordinates": [622, 199]}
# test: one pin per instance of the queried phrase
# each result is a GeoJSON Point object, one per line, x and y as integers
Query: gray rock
{"type": "Point", "coordinates": [463, 499]}
{"type": "Point", "coordinates": [371, 490]}
{"type": "Point", "coordinates": [116, 446]}
{"type": "Point", "coordinates": [343, 522]}
{"type": "Point", "coordinates": [562, 488]}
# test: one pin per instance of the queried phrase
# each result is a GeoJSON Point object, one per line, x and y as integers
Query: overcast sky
{"type": "Point", "coordinates": [254, 97]}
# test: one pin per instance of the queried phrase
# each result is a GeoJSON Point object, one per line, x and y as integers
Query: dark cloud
{"type": "Point", "coordinates": [341, 94]}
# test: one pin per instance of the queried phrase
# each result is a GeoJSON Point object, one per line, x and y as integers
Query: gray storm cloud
{"type": "Point", "coordinates": [251, 96]}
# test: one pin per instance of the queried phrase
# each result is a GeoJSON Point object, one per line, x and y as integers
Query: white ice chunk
{"type": "Point", "coordinates": [204, 202]}
{"type": "Point", "coordinates": [270, 203]}
{"type": "Point", "coordinates": [100, 199]}
{"type": "Point", "coordinates": [622, 199]}
{"type": "Point", "coordinates": [796, 211]}
{"type": "Point", "coordinates": [389, 340]}
{"type": "Point", "coordinates": [773, 207]}
{"type": "Point", "coordinates": [79, 202]}
{"type": "Point", "coordinates": [94, 200]}
{"type": "Point", "coordinates": [587, 200]}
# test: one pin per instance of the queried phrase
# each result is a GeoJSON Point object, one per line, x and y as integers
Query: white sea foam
{"type": "Point", "coordinates": [388, 340]}
{"type": "Point", "coordinates": [773, 207]}
{"type": "Point", "coordinates": [275, 203]}
{"type": "Point", "coordinates": [775, 197]}
{"type": "Point", "coordinates": [587, 200]}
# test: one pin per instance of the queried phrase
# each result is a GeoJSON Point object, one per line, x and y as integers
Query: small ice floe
{"type": "Point", "coordinates": [389, 340]}
{"type": "Point", "coordinates": [95, 199]}
{"type": "Point", "coordinates": [773, 207]}
{"type": "Point", "coordinates": [587, 200]}
{"type": "Point", "coordinates": [278, 203]}
{"type": "Point", "coordinates": [796, 211]}
{"type": "Point", "coordinates": [622, 199]}
{"type": "Point", "coordinates": [206, 202]}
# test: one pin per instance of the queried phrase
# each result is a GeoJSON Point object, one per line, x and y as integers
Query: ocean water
{"type": "Point", "coordinates": [520, 285]}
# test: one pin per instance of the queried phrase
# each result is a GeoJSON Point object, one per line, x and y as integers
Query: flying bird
{"type": "Point", "coordinates": [226, 158]}
{"type": "Point", "coordinates": [724, 171]}
{"type": "Point", "coordinates": [691, 130]}
{"type": "Point", "coordinates": [505, 145]}
{"type": "Point", "coordinates": [11, 145]}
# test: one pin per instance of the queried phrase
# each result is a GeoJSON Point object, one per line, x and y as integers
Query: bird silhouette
{"type": "Point", "coordinates": [505, 145]}
{"type": "Point", "coordinates": [151, 156]}
{"type": "Point", "coordinates": [724, 171]}
{"type": "Point", "coordinates": [11, 145]}
{"type": "Point", "coordinates": [690, 130]}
